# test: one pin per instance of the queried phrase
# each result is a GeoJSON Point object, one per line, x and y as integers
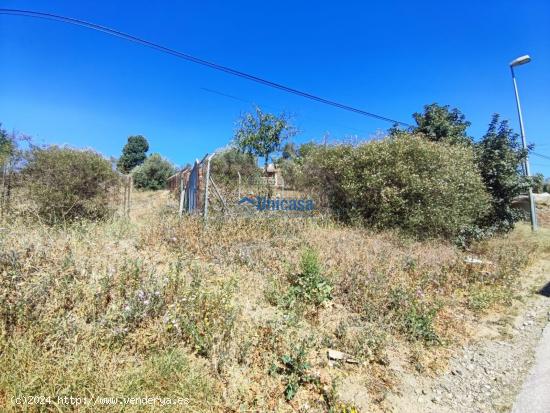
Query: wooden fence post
{"type": "Point", "coordinates": [239, 186]}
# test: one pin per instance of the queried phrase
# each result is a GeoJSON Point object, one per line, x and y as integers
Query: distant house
{"type": "Point", "coordinates": [274, 175]}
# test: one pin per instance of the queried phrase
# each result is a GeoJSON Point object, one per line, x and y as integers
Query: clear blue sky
{"type": "Point", "coordinates": [65, 84]}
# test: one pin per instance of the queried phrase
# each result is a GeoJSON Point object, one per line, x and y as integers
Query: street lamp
{"type": "Point", "coordinates": [518, 62]}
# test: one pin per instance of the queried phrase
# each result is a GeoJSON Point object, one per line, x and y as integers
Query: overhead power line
{"type": "Point", "coordinates": [188, 57]}
{"type": "Point", "coordinates": [540, 155]}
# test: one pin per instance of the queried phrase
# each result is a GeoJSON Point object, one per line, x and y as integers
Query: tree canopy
{"type": "Point", "coordinates": [441, 124]}
{"type": "Point", "coordinates": [262, 134]}
{"type": "Point", "coordinates": [134, 153]}
{"type": "Point", "coordinates": [500, 159]}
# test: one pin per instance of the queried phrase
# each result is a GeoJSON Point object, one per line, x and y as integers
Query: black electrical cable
{"type": "Point", "coordinates": [540, 155]}
{"type": "Point", "coordinates": [185, 56]}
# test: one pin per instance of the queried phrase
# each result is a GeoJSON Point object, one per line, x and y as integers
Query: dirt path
{"type": "Point", "coordinates": [488, 375]}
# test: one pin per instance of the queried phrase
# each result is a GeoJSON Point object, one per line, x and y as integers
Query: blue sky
{"type": "Point", "coordinates": [65, 84]}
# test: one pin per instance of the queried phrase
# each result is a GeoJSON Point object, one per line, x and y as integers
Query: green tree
{"type": "Point", "coordinates": [8, 148]}
{"type": "Point", "coordinates": [500, 159]}
{"type": "Point", "coordinates": [6, 145]}
{"type": "Point", "coordinates": [133, 153]}
{"type": "Point", "coordinates": [262, 134]}
{"type": "Point", "coordinates": [440, 123]}
{"type": "Point", "coordinates": [538, 183]}
{"type": "Point", "coordinates": [153, 173]}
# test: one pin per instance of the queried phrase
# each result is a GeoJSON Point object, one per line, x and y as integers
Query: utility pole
{"type": "Point", "coordinates": [532, 205]}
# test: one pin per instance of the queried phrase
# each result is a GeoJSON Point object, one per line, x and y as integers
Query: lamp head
{"type": "Point", "coordinates": [520, 60]}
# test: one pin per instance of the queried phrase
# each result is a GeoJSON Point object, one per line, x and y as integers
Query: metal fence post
{"type": "Point", "coordinates": [207, 179]}
{"type": "Point", "coordinates": [182, 194]}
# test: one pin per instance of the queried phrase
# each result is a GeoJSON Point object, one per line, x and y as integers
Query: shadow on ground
{"type": "Point", "coordinates": [545, 291]}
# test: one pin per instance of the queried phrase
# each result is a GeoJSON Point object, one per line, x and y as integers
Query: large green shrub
{"type": "Point", "coordinates": [64, 184]}
{"type": "Point", "coordinates": [153, 173]}
{"type": "Point", "coordinates": [428, 189]}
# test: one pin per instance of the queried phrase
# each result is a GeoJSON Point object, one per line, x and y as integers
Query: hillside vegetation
{"type": "Point", "coordinates": [106, 298]}
{"type": "Point", "coordinates": [236, 316]}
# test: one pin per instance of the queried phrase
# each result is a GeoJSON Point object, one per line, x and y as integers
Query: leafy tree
{"type": "Point", "coordinates": [500, 159]}
{"type": "Point", "coordinates": [538, 183]}
{"type": "Point", "coordinates": [133, 153]}
{"type": "Point", "coordinates": [153, 173]}
{"type": "Point", "coordinates": [6, 145]}
{"type": "Point", "coordinates": [262, 134]}
{"type": "Point", "coordinates": [65, 184]}
{"type": "Point", "coordinates": [440, 123]}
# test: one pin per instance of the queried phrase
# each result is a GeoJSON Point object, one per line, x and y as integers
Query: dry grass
{"type": "Point", "coordinates": [164, 307]}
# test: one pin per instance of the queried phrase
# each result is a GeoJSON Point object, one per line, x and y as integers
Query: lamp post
{"type": "Point", "coordinates": [518, 62]}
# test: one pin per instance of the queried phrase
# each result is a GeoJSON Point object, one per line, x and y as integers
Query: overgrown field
{"type": "Point", "coordinates": [237, 316]}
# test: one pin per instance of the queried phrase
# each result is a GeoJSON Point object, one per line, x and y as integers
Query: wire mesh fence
{"type": "Point", "coordinates": [205, 190]}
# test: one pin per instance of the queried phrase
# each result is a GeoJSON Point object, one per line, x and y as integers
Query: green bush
{"type": "Point", "coordinates": [153, 173]}
{"type": "Point", "coordinates": [427, 189]}
{"type": "Point", "coordinates": [308, 289]}
{"type": "Point", "coordinates": [296, 369]}
{"type": "Point", "coordinates": [413, 316]}
{"type": "Point", "coordinates": [292, 171]}
{"type": "Point", "coordinates": [310, 286]}
{"type": "Point", "coordinates": [228, 164]}
{"type": "Point", "coordinates": [65, 184]}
